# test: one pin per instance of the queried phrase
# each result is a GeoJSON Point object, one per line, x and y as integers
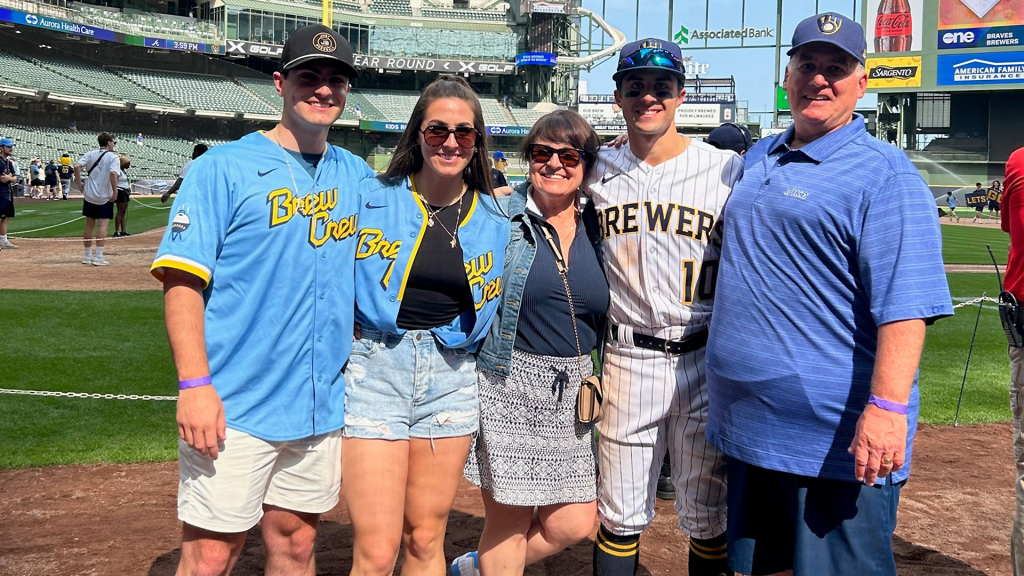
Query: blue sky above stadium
{"type": "Point", "coordinates": [753, 68]}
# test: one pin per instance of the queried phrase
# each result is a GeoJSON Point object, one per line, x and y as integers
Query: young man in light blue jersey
{"type": "Point", "coordinates": [257, 265]}
{"type": "Point", "coordinates": [831, 267]}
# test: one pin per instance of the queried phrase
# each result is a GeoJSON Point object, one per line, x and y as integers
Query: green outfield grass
{"type": "Point", "coordinates": [146, 214]}
{"type": "Point", "coordinates": [986, 396]}
{"type": "Point", "coordinates": [966, 244]}
{"type": "Point", "coordinates": [97, 342]}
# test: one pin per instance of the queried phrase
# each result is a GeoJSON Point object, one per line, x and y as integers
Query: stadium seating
{"type": "Point", "coordinates": [198, 91]}
{"type": "Point", "coordinates": [399, 7]}
{"type": "Point", "coordinates": [410, 42]}
{"type": "Point", "coordinates": [148, 24]}
{"type": "Point", "coordinates": [19, 72]}
{"type": "Point", "coordinates": [100, 80]}
{"type": "Point", "coordinates": [460, 14]}
{"type": "Point", "coordinates": [494, 113]}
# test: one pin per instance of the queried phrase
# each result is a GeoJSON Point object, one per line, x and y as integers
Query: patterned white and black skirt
{"type": "Point", "coordinates": [531, 450]}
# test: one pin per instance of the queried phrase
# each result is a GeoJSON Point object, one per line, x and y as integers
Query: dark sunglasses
{"type": "Point", "coordinates": [652, 57]}
{"type": "Point", "coordinates": [437, 134]}
{"type": "Point", "coordinates": [569, 157]}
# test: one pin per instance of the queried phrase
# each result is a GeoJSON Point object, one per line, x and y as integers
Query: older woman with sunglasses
{"type": "Point", "coordinates": [429, 268]}
{"type": "Point", "coordinates": [532, 459]}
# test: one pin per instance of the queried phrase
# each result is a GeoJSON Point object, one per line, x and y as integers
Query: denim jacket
{"type": "Point", "coordinates": [495, 354]}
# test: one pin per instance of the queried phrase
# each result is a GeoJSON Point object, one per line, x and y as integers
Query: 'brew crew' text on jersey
{"type": "Point", "coordinates": [662, 234]}
{"type": "Point", "coordinates": [392, 220]}
{"type": "Point", "coordinates": [275, 249]}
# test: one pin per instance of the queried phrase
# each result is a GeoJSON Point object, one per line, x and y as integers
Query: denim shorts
{"type": "Point", "coordinates": [812, 526]}
{"type": "Point", "coordinates": [401, 386]}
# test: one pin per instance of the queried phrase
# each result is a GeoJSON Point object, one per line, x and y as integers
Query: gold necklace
{"type": "Point", "coordinates": [284, 154]}
{"type": "Point", "coordinates": [432, 215]}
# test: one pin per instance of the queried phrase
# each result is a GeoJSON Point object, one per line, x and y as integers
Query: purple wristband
{"type": "Point", "coordinates": [194, 382]}
{"type": "Point", "coordinates": [888, 405]}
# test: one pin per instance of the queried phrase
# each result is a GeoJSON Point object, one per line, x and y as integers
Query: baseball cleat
{"type": "Point", "coordinates": [99, 261]}
{"type": "Point", "coordinates": [466, 565]}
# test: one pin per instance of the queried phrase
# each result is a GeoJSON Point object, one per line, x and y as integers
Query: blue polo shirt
{"type": "Point", "coordinates": [822, 245]}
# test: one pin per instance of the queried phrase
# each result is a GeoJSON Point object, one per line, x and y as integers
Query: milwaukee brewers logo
{"type": "Point", "coordinates": [829, 24]}
{"type": "Point", "coordinates": [324, 42]}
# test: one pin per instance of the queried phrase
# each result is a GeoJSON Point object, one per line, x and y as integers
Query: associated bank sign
{"type": "Point", "coordinates": [685, 34]}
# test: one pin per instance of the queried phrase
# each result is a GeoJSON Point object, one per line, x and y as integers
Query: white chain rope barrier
{"type": "Point", "coordinates": [150, 397]}
{"type": "Point", "coordinates": [20, 237]}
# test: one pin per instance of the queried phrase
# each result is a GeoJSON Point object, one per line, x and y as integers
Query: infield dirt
{"type": "Point", "coordinates": [954, 517]}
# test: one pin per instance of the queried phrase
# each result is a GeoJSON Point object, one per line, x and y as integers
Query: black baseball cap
{"type": "Point", "coordinates": [831, 28]}
{"type": "Point", "coordinates": [650, 54]}
{"type": "Point", "coordinates": [729, 136]}
{"type": "Point", "coordinates": [314, 42]}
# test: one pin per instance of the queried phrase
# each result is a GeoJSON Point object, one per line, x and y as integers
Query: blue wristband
{"type": "Point", "coordinates": [887, 405]}
{"type": "Point", "coordinates": [194, 382]}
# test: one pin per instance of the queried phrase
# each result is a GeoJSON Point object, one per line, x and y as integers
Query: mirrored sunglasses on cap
{"type": "Point", "coordinates": [569, 157]}
{"type": "Point", "coordinates": [652, 57]}
{"type": "Point", "coordinates": [437, 134]}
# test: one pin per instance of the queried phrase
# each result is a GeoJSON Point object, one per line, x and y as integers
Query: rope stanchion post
{"type": "Point", "coordinates": [963, 383]}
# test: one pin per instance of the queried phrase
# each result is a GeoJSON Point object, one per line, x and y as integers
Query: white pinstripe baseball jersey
{"type": "Point", "coordinates": [662, 234]}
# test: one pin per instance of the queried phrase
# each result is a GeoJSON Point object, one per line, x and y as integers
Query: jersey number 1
{"type": "Point", "coordinates": [705, 283]}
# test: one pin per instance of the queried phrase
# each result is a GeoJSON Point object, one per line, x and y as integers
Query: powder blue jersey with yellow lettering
{"type": "Point", "coordinates": [275, 250]}
{"type": "Point", "coordinates": [392, 220]}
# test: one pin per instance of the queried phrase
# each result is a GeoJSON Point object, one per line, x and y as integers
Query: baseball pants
{"type": "Point", "coordinates": [655, 402]}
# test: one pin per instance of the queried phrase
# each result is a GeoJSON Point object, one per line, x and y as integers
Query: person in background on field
{"type": "Point", "coordinates": [8, 180]}
{"type": "Point", "coordinates": [731, 136]}
{"type": "Point", "coordinates": [995, 196]}
{"type": "Point", "coordinates": [1013, 223]}
{"type": "Point", "coordinates": [35, 178]}
{"type": "Point", "coordinates": [100, 191]}
{"type": "Point", "coordinates": [979, 208]}
{"type": "Point", "coordinates": [124, 191]}
{"type": "Point", "coordinates": [65, 172]}
{"type": "Point", "coordinates": [498, 178]}
{"type": "Point", "coordinates": [197, 151]}
{"type": "Point", "coordinates": [261, 401]}
{"type": "Point", "coordinates": [951, 200]}
{"type": "Point", "coordinates": [831, 268]}
{"type": "Point", "coordinates": [51, 181]}
{"type": "Point", "coordinates": [532, 362]}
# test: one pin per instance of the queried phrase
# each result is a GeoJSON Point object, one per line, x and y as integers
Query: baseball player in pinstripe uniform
{"type": "Point", "coordinates": [659, 202]}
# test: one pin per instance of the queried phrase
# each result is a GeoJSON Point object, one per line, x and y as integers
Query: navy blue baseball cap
{"type": "Point", "coordinates": [831, 28]}
{"type": "Point", "coordinates": [650, 54]}
{"type": "Point", "coordinates": [498, 155]}
{"type": "Point", "coordinates": [729, 136]}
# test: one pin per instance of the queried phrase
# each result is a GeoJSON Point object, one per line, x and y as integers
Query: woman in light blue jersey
{"type": "Point", "coordinates": [428, 276]}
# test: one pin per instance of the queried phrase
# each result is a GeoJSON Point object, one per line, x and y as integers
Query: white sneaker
{"type": "Point", "coordinates": [8, 244]}
{"type": "Point", "coordinates": [86, 259]}
{"type": "Point", "coordinates": [99, 261]}
{"type": "Point", "coordinates": [466, 565]}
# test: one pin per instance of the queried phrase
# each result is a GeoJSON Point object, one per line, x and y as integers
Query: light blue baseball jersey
{"type": "Point", "coordinates": [392, 220]}
{"type": "Point", "coordinates": [275, 249]}
{"type": "Point", "coordinates": [822, 245]}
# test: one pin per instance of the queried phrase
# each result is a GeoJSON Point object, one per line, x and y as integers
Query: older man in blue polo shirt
{"type": "Point", "coordinates": [831, 267]}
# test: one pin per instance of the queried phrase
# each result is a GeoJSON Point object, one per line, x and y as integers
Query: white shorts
{"type": "Point", "coordinates": [227, 494]}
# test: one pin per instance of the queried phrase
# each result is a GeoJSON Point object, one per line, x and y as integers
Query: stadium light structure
{"type": "Point", "coordinates": [618, 41]}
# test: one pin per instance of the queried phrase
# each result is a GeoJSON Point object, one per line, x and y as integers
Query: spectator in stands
{"type": "Point", "coordinates": [35, 178]}
{"type": "Point", "coordinates": [138, 139]}
{"type": "Point", "coordinates": [100, 191]}
{"type": "Point", "coordinates": [261, 397]}
{"type": "Point", "coordinates": [51, 181]}
{"type": "Point", "coordinates": [359, 113]}
{"type": "Point", "coordinates": [124, 191]}
{"type": "Point", "coordinates": [979, 208]}
{"type": "Point", "coordinates": [8, 181]}
{"type": "Point", "coordinates": [73, 126]}
{"type": "Point", "coordinates": [197, 151]}
{"type": "Point", "coordinates": [411, 408]}
{"type": "Point", "coordinates": [730, 136]}
{"type": "Point", "coordinates": [65, 172]}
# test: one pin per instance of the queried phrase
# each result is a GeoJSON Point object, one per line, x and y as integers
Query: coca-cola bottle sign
{"type": "Point", "coordinates": [893, 24]}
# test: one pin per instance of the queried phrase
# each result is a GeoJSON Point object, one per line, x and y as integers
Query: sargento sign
{"type": "Point", "coordinates": [897, 72]}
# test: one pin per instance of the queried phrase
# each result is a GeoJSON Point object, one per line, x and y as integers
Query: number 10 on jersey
{"type": "Point", "coordinates": [700, 283]}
